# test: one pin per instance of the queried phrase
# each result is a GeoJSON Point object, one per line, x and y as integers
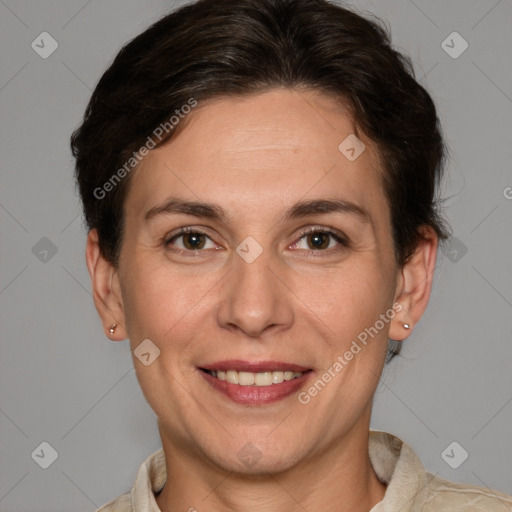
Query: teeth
{"type": "Point", "coordinates": [231, 376]}
{"type": "Point", "coordinates": [245, 378]}
{"type": "Point", "coordinates": [277, 377]}
{"type": "Point", "coordinates": [263, 379]}
{"type": "Point", "coordinates": [255, 379]}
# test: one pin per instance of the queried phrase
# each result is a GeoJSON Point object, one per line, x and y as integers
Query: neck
{"type": "Point", "coordinates": [339, 479]}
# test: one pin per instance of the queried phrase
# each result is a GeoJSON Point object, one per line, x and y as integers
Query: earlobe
{"type": "Point", "coordinates": [107, 299]}
{"type": "Point", "coordinates": [414, 285]}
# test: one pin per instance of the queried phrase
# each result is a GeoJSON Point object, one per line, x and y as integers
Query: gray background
{"type": "Point", "coordinates": [63, 382]}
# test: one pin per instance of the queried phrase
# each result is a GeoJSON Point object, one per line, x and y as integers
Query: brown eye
{"type": "Point", "coordinates": [318, 240]}
{"type": "Point", "coordinates": [192, 240]}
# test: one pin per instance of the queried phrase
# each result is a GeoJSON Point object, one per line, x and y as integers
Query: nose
{"type": "Point", "coordinates": [254, 297]}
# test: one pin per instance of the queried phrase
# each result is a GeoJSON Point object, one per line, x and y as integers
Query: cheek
{"type": "Point", "coordinates": [148, 300]}
{"type": "Point", "coordinates": [348, 299]}
{"type": "Point", "coordinates": [160, 304]}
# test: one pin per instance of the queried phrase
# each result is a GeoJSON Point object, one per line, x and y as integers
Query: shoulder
{"type": "Point", "coordinates": [412, 488]}
{"type": "Point", "coordinates": [121, 504]}
{"type": "Point", "coordinates": [445, 495]}
{"type": "Point", "coordinates": [150, 479]}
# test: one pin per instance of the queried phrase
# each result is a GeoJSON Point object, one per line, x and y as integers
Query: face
{"type": "Point", "coordinates": [289, 262]}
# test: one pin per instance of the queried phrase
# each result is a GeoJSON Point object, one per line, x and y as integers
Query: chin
{"type": "Point", "coordinates": [257, 456]}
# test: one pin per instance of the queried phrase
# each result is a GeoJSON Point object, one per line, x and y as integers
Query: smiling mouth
{"type": "Point", "coordinates": [254, 379]}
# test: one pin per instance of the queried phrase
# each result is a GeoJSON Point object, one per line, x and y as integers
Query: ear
{"type": "Point", "coordinates": [106, 289]}
{"type": "Point", "coordinates": [415, 284]}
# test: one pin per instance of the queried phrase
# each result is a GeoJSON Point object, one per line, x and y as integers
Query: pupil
{"type": "Point", "coordinates": [196, 240]}
{"type": "Point", "coordinates": [317, 237]}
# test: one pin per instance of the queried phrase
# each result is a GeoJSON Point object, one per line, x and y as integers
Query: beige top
{"type": "Point", "coordinates": [409, 487]}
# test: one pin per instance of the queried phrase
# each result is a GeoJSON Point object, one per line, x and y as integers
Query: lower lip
{"type": "Point", "coordinates": [256, 395]}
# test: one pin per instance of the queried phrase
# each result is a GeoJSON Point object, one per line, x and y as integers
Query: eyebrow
{"type": "Point", "coordinates": [297, 211]}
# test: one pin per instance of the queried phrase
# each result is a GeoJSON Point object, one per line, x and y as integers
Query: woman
{"type": "Point", "coordinates": [259, 179]}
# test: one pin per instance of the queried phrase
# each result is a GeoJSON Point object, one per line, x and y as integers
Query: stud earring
{"type": "Point", "coordinates": [112, 329]}
{"type": "Point", "coordinates": [406, 326]}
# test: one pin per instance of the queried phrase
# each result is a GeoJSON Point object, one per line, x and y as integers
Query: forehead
{"type": "Point", "coordinates": [268, 149]}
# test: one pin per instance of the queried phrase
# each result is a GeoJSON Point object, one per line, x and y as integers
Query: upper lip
{"type": "Point", "coordinates": [254, 366]}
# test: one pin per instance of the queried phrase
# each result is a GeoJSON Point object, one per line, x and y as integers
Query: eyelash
{"type": "Point", "coordinates": [338, 237]}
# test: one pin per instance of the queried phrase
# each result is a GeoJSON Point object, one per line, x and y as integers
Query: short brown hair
{"type": "Point", "coordinates": [234, 47]}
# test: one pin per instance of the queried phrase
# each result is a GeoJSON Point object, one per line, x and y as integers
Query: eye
{"type": "Point", "coordinates": [192, 239]}
{"type": "Point", "coordinates": [318, 239]}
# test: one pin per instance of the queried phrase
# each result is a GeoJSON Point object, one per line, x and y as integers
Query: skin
{"type": "Point", "coordinates": [255, 157]}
